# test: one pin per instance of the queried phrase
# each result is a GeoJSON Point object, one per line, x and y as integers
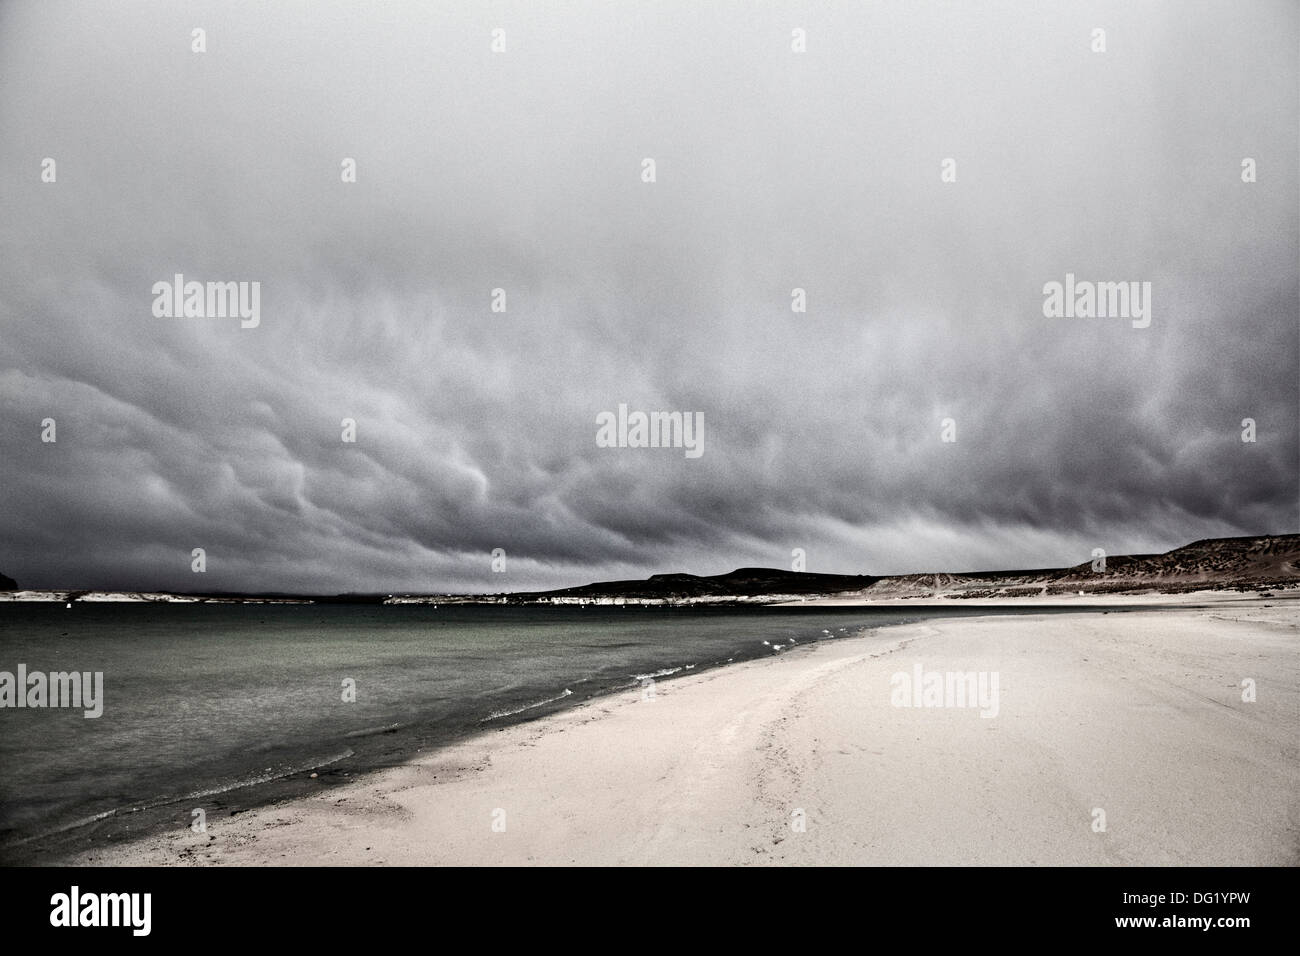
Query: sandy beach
{"type": "Point", "coordinates": [1119, 739]}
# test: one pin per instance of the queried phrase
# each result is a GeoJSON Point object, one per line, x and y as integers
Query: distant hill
{"type": "Point", "coordinates": [1247, 562]}
{"type": "Point", "coordinates": [743, 582]}
{"type": "Point", "coordinates": [1244, 563]}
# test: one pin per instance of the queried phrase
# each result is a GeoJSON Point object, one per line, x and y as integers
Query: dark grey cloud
{"type": "Point", "coordinates": [521, 171]}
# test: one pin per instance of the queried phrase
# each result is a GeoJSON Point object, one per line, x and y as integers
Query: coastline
{"type": "Point", "coordinates": [1137, 714]}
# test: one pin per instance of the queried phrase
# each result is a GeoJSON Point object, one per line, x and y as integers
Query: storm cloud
{"type": "Point", "coordinates": [522, 170]}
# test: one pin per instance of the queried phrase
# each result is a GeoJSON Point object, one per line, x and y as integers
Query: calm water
{"type": "Point", "coordinates": [205, 704]}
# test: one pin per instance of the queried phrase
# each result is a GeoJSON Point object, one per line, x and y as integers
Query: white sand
{"type": "Point", "coordinates": [1138, 714]}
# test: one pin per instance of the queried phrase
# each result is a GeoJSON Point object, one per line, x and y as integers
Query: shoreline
{"type": "Point", "coordinates": [360, 753]}
{"type": "Point", "coordinates": [372, 748]}
{"type": "Point", "coordinates": [1097, 712]}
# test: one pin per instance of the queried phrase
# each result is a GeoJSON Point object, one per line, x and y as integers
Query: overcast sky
{"type": "Point", "coordinates": [522, 170]}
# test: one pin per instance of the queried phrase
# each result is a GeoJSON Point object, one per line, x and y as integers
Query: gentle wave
{"type": "Point", "coordinates": [196, 795]}
{"type": "Point", "coordinates": [84, 821]}
{"type": "Point", "coordinates": [663, 673]}
{"type": "Point", "coordinates": [497, 715]}
{"type": "Point", "coordinates": [369, 731]}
